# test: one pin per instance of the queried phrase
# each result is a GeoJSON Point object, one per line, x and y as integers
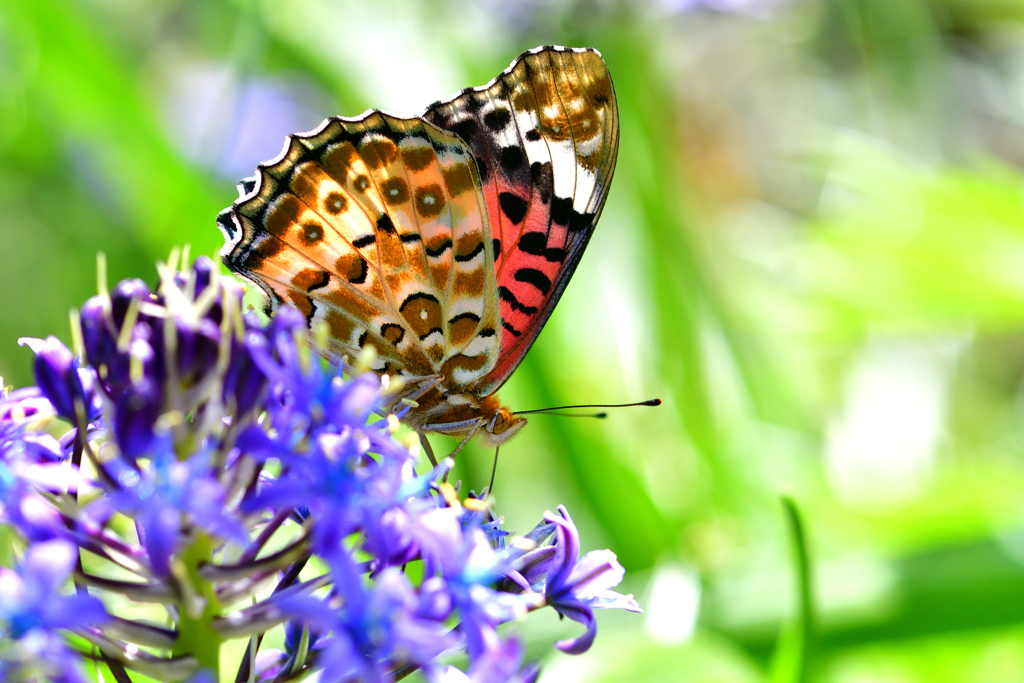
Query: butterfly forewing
{"type": "Point", "coordinates": [545, 137]}
{"type": "Point", "coordinates": [446, 240]}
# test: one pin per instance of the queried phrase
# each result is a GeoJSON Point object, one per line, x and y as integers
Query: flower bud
{"type": "Point", "coordinates": [121, 298]}
{"type": "Point", "coordinates": [57, 375]}
{"type": "Point", "coordinates": [244, 381]}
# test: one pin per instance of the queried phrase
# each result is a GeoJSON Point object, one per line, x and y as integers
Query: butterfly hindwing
{"type": "Point", "coordinates": [376, 226]}
{"type": "Point", "coordinates": [545, 136]}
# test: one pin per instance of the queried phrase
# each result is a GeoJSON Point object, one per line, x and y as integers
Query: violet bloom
{"type": "Point", "coordinates": [466, 561]}
{"type": "Point", "coordinates": [372, 630]}
{"type": "Point", "coordinates": [34, 612]}
{"type": "Point", "coordinates": [163, 496]}
{"type": "Point", "coordinates": [577, 585]}
{"type": "Point", "coordinates": [204, 419]}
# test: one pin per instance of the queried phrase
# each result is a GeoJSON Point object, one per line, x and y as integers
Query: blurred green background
{"type": "Point", "coordinates": [813, 251]}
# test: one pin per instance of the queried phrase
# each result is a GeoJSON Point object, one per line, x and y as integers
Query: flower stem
{"type": "Point", "coordinates": [197, 637]}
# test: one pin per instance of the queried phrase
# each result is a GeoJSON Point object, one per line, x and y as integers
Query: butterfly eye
{"type": "Point", "coordinates": [503, 419]}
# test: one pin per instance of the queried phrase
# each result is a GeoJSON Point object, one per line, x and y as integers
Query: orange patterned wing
{"type": "Point", "coordinates": [545, 136]}
{"type": "Point", "coordinates": [377, 227]}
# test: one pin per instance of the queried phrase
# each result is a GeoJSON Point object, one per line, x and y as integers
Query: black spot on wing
{"type": "Point", "coordinates": [385, 224]}
{"type": "Point", "coordinates": [466, 130]}
{"type": "Point", "coordinates": [321, 283]}
{"type": "Point", "coordinates": [511, 329]}
{"type": "Point", "coordinates": [543, 180]}
{"type": "Point", "coordinates": [513, 206]}
{"type": "Point", "coordinates": [496, 248]}
{"type": "Point", "coordinates": [536, 243]}
{"type": "Point", "coordinates": [462, 258]}
{"type": "Point", "coordinates": [364, 241]}
{"type": "Point", "coordinates": [561, 210]}
{"type": "Point", "coordinates": [416, 296]}
{"type": "Point", "coordinates": [554, 254]}
{"type": "Point", "coordinates": [511, 158]}
{"type": "Point", "coordinates": [360, 277]}
{"type": "Point", "coordinates": [497, 119]}
{"type": "Point", "coordinates": [468, 315]}
{"type": "Point", "coordinates": [533, 135]}
{"type": "Point", "coordinates": [562, 213]}
{"type": "Point", "coordinates": [580, 221]}
{"type": "Point", "coordinates": [507, 295]}
{"type": "Point", "coordinates": [392, 332]}
{"type": "Point", "coordinates": [533, 243]}
{"type": "Point", "coordinates": [411, 237]}
{"type": "Point", "coordinates": [532, 276]}
{"type": "Point", "coordinates": [441, 248]}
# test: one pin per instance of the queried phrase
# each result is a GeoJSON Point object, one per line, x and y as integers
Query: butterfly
{"type": "Point", "coordinates": [445, 240]}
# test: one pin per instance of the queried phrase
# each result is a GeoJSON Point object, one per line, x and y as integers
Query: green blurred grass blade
{"type": "Point", "coordinates": [793, 652]}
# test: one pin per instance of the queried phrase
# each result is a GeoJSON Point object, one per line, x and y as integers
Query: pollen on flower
{"type": "Point", "coordinates": [365, 359]}
{"type": "Point", "coordinates": [321, 335]}
{"type": "Point", "coordinates": [394, 386]}
{"type": "Point", "coordinates": [170, 419]}
{"type": "Point", "coordinates": [450, 495]}
{"type": "Point", "coordinates": [393, 423]}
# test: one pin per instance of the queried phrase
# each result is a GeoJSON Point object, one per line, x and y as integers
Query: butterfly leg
{"type": "Point", "coordinates": [469, 435]}
{"type": "Point", "coordinates": [494, 468]}
{"type": "Point", "coordinates": [428, 450]}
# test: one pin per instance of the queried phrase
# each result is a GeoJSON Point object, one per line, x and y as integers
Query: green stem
{"type": "Point", "coordinates": [196, 635]}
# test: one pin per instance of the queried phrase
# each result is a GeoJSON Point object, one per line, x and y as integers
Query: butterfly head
{"type": "Point", "coordinates": [502, 424]}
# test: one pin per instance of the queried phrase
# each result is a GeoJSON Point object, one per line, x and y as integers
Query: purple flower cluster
{"type": "Point", "coordinates": [230, 482]}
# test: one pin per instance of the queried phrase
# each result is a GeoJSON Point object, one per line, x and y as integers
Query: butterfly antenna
{"type": "Point", "coordinates": [650, 402]}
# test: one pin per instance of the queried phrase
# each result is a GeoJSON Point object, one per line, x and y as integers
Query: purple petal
{"type": "Point", "coordinates": [341, 660]}
{"type": "Point", "coordinates": [585, 616]}
{"type": "Point", "coordinates": [435, 599]}
{"type": "Point", "coordinates": [596, 571]}
{"type": "Point", "coordinates": [161, 531]}
{"type": "Point", "coordinates": [613, 600]}
{"type": "Point", "coordinates": [49, 564]}
{"type": "Point", "coordinates": [536, 564]}
{"type": "Point", "coordinates": [568, 546]}
{"type": "Point", "coordinates": [43, 447]}
{"type": "Point", "coordinates": [312, 612]}
{"type": "Point", "coordinates": [77, 611]}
